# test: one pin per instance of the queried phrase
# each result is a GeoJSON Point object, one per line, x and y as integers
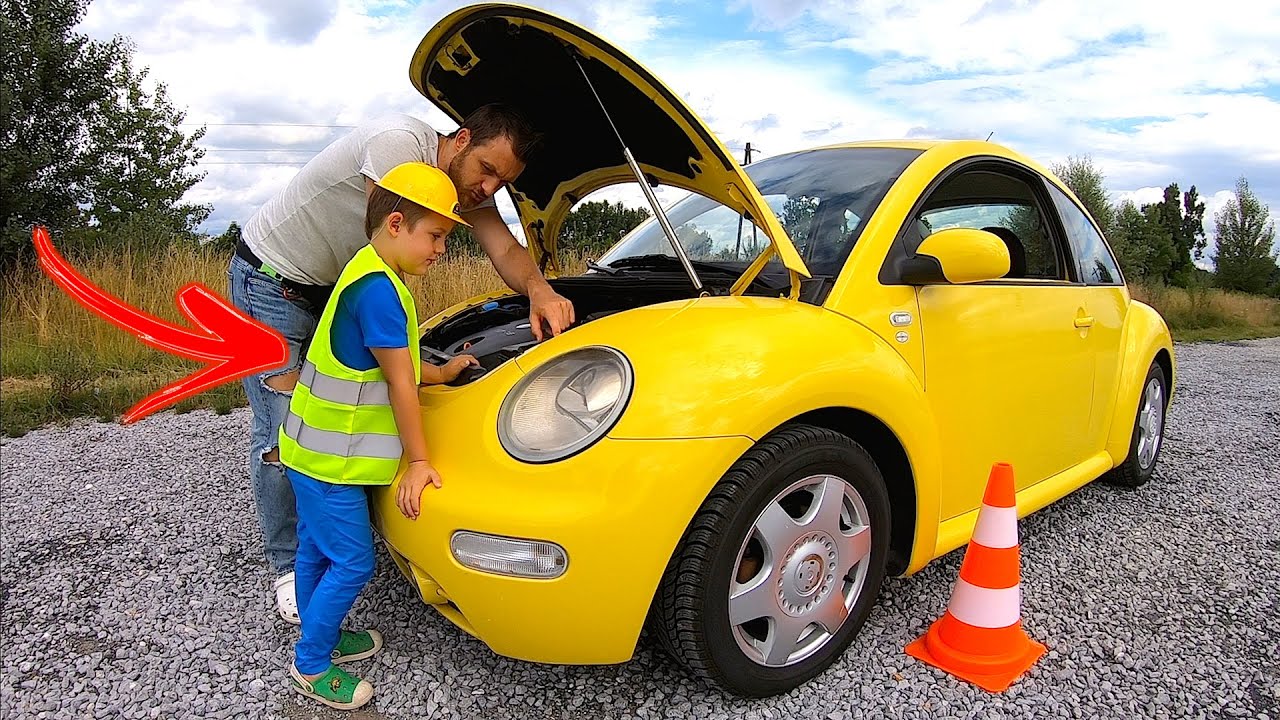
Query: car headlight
{"type": "Point", "coordinates": [565, 405]}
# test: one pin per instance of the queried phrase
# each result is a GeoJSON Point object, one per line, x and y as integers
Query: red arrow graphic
{"type": "Point", "coordinates": [232, 344]}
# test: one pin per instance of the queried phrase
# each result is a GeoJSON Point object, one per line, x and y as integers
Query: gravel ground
{"type": "Point", "coordinates": [132, 587]}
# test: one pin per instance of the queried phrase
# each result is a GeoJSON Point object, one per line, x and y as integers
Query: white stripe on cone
{"type": "Point", "coordinates": [984, 607]}
{"type": "Point", "coordinates": [997, 527]}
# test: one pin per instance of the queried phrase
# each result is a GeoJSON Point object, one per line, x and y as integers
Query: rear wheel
{"type": "Point", "coordinates": [781, 565]}
{"type": "Point", "coordinates": [1148, 432]}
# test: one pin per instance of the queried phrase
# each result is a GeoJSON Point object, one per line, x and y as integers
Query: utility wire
{"type": "Point", "coordinates": [249, 124]}
{"type": "Point", "coordinates": [253, 162]}
{"type": "Point", "coordinates": [219, 148]}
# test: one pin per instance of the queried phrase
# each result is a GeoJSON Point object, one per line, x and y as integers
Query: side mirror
{"type": "Point", "coordinates": [957, 255]}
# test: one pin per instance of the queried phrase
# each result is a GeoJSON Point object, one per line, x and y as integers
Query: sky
{"type": "Point", "coordinates": [1153, 92]}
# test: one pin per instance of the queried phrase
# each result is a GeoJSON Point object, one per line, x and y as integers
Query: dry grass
{"type": "Point", "coordinates": [1187, 309]}
{"type": "Point", "coordinates": [58, 360]}
{"type": "Point", "coordinates": [457, 278]}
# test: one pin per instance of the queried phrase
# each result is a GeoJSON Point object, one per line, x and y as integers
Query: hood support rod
{"type": "Point", "coordinates": [644, 185]}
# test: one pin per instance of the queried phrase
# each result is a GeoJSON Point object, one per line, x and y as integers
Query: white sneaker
{"type": "Point", "coordinates": [287, 599]}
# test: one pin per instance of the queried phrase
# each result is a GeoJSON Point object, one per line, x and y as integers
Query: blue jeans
{"type": "Point", "coordinates": [335, 561]}
{"type": "Point", "coordinates": [264, 299]}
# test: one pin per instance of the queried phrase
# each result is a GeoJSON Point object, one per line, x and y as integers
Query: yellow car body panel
{"type": "Point", "coordinates": [1146, 336]}
{"type": "Point", "coordinates": [598, 505]}
{"type": "Point", "coordinates": [745, 373]}
{"type": "Point", "coordinates": [942, 367]}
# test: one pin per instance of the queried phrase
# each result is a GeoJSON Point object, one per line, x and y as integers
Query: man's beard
{"type": "Point", "coordinates": [454, 171]}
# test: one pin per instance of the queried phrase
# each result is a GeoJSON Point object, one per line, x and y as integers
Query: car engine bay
{"type": "Point", "coordinates": [499, 330]}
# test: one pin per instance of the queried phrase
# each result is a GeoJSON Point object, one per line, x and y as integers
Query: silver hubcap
{"type": "Point", "coordinates": [800, 571]}
{"type": "Point", "coordinates": [1150, 423]}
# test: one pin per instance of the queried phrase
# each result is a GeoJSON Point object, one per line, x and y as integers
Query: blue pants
{"type": "Point", "coordinates": [264, 299]}
{"type": "Point", "coordinates": [335, 561]}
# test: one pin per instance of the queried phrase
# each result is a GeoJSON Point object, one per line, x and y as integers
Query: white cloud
{"type": "Point", "coordinates": [745, 94]}
{"type": "Point", "coordinates": [1154, 93]}
{"type": "Point", "coordinates": [330, 63]}
{"type": "Point", "coordinates": [984, 36]}
{"type": "Point", "coordinates": [1141, 196]}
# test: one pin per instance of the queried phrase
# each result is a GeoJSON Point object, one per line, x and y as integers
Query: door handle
{"type": "Point", "coordinates": [1084, 321]}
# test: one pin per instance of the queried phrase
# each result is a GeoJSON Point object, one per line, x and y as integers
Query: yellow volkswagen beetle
{"type": "Point", "coordinates": [781, 388]}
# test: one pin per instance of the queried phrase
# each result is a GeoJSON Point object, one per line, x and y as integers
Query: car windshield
{"type": "Point", "coordinates": [821, 197]}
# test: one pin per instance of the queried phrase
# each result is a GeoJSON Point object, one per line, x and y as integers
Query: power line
{"type": "Point", "coordinates": [219, 148]}
{"type": "Point", "coordinates": [249, 124]}
{"type": "Point", "coordinates": [253, 162]}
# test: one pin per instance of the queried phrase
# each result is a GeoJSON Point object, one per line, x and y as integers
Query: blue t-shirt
{"type": "Point", "coordinates": [368, 315]}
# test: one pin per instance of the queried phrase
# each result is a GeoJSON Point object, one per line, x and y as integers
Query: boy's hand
{"type": "Point", "coordinates": [414, 481]}
{"type": "Point", "coordinates": [454, 367]}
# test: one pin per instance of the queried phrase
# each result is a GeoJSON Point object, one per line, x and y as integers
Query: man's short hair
{"type": "Point", "coordinates": [496, 120]}
{"type": "Point", "coordinates": [383, 202]}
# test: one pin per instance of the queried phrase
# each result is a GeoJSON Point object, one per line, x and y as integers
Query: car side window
{"type": "Point", "coordinates": [1001, 204]}
{"type": "Point", "coordinates": [1097, 265]}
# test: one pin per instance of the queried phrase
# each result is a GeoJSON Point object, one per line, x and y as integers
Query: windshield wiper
{"type": "Point", "coordinates": [662, 260]}
{"type": "Point", "coordinates": [606, 269]}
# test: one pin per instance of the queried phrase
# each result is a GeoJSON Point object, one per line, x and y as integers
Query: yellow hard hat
{"type": "Point", "coordinates": [426, 185]}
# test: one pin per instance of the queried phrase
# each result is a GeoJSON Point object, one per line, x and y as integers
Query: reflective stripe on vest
{"type": "Point", "coordinates": [329, 442]}
{"type": "Point", "coordinates": [340, 427]}
{"type": "Point", "coordinates": [346, 392]}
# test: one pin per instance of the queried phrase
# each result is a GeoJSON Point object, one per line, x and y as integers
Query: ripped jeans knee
{"type": "Point", "coordinates": [269, 393]}
{"type": "Point", "coordinates": [283, 383]}
{"type": "Point", "coordinates": [278, 386]}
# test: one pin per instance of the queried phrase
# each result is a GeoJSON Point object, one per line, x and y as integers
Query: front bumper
{"type": "Point", "coordinates": [618, 509]}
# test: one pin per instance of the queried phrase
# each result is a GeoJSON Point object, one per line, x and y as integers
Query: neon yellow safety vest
{"type": "Point", "coordinates": [340, 427]}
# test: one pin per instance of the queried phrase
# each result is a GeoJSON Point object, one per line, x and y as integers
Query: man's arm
{"type": "Point", "coordinates": [519, 272]}
{"type": "Point", "coordinates": [510, 259]}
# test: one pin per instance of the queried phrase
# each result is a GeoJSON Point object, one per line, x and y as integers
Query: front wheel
{"type": "Point", "coordinates": [1148, 432]}
{"type": "Point", "coordinates": [781, 565]}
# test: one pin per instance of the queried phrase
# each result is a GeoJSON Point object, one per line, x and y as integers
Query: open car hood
{"type": "Point", "coordinates": [500, 52]}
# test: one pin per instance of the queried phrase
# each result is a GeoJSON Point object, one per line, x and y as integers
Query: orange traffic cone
{"type": "Point", "coordinates": [980, 637]}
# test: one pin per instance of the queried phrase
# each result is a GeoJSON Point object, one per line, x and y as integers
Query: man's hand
{"type": "Point", "coordinates": [519, 272]}
{"type": "Point", "coordinates": [547, 305]}
{"type": "Point", "coordinates": [412, 483]}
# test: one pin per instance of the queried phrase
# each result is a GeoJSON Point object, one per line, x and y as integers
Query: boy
{"type": "Point", "coordinates": [354, 415]}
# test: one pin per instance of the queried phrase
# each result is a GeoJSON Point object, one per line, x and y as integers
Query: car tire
{"type": "Point", "coordinates": [1147, 437]}
{"type": "Point", "coordinates": [732, 546]}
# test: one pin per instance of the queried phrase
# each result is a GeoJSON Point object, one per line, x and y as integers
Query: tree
{"type": "Point", "coordinates": [226, 242]}
{"type": "Point", "coordinates": [1192, 238]}
{"type": "Point", "coordinates": [60, 95]}
{"type": "Point", "coordinates": [797, 217]}
{"type": "Point", "coordinates": [1134, 240]}
{"type": "Point", "coordinates": [1178, 234]}
{"type": "Point", "coordinates": [461, 243]}
{"type": "Point", "coordinates": [47, 95]}
{"type": "Point", "coordinates": [1087, 182]}
{"type": "Point", "coordinates": [594, 226]}
{"type": "Point", "coordinates": [1244, 257]}
{"type": "Point", "coordinates": [142, 161]}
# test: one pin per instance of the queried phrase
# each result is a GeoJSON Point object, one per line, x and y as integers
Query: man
{"type": "Point", "coordinates": [295, 246]}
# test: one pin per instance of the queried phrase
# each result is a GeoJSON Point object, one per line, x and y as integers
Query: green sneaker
{"type": "Point", "coordinates": [336, 688]}
{"type": "Point", "coordinates": [356, 645]}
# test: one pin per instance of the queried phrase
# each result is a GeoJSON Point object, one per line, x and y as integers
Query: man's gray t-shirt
{"type": "Point", "coordinates": [311, 229]}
